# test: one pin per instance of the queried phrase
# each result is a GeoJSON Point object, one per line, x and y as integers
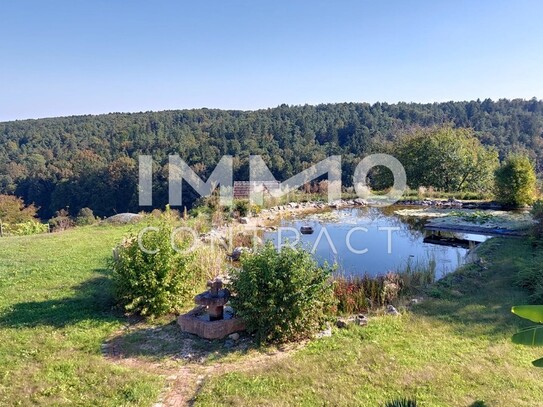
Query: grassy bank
{"type": "Point", "coordinates": [451, 350]}
{"type": "Point", "coordinates": [55, 313]}
{"type": "Point", "coordinates": [454, 350]}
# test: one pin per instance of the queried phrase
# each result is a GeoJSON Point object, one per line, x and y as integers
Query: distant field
{"type": "Point", "coordinates": [453, 350]}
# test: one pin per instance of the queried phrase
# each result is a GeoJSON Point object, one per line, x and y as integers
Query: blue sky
{"type": "Point", "coordinates": [79, 57]}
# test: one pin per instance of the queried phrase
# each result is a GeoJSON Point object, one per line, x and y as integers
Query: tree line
{"type": "Point", "coordinates": [91, 161]}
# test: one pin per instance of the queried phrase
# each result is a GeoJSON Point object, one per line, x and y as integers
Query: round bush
{"type": "Point", "coordinates": [281, 295]}
{"type": "Point", "coordinates": [85, 217]}
{"type": "Point", "coordinates": [157, 280]}
{"type": "Point", "coordinates": [516, 181]}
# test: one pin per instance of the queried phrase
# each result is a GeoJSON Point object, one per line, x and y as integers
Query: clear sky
{"type": "Point", "coordinates": [78, 57]}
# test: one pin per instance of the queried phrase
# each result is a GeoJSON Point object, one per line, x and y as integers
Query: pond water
{"type": "Point", "coordinates": [374, 241]}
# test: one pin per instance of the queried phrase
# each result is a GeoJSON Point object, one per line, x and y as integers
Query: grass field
{"type": "Point", "coordinates": [454, 350]}
{"type": "Point", "coordinates": [55, 313]}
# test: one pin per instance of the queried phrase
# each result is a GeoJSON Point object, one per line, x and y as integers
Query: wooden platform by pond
{"type": "Point", "coordinates": [475, 229]}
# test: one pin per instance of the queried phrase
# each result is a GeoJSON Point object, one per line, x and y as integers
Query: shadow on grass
{"type": "Point", "coordinates": [167, 341]}
{"type": "Point", "coordinates": [93, 301]}
{"type": "Point", "coordinates": [477, 299]}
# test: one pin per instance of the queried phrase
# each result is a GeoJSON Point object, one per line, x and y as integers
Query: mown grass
{"type": "Point", "coordinates": [453, 350]}
{"type": "Point", "coordinates": [55, 313]}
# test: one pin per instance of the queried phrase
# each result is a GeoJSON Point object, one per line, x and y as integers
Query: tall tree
{"type": "Point", "coordinates": [446, 158]}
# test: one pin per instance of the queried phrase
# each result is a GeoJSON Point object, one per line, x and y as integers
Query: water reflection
{"type": "Point", "coordinates": [375, 241]}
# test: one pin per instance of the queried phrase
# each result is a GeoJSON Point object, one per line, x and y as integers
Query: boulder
{"type": "Point", "coordinates": [391, 310]}
{"type": "Point", "coordinates": [124, 218]}
{"type": "Point", "coordinates": [415, 301]}
{"type": "Point", "coordinates": [344, 322]}
{"type": "Point", "coordinates": [237, 252]}
{"type": "Point", "coordinates": [326, 333]}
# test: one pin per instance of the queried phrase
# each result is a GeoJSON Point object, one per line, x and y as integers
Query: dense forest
{"type": "Point", "coordinates": [91, 161]}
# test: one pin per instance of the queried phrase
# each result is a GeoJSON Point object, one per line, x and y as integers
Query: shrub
{"type": "Point", "coordinates": [85, 217]}
{"type": "Point", "coordinates": [158, 280]}
{"type": "Point", "coordinates": [256, 209]}
{"type": "Point", "coordinates": [516, 181]}
{"type": "Point", "coordinates": [30, 227]}
{"type": "Point", "coordinates": [61, 221]}
{"type": "Point", "coordinates": [241, 207]}
{"type": "Point", "coordinates": [350, 294]}
{"type": "Point", "coordinates": [281, 295]}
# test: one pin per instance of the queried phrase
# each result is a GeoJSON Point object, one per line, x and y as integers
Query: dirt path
{"type": "Point", "coordinates": [186, 361]}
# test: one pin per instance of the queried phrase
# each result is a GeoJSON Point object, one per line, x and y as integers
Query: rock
{"type": "Point", "coordinates": [244, 220]}
{"type": "Point", "coordinates": [344, 322]}
{"type": "Point", "coordinates": [306, 230]}
{"type": "Point", "coordinates": [360, 202]}
{"type": "Point", "coordinates": [229, 343]}
{"type": "Point", "coordinates": [234, 336]}
{"type": "Point", "coordinates": [124, 218]}
{"type": "Point", "coordinates": [326, 333]}
{"type": "Point", "coordinates": [361, 320]}
{"type": "Point", "coordinates": [237, 252]}
{"type": "Point", "coordinates": [392, 311]}
{"type": "Point", "coordinates": [337, 204]}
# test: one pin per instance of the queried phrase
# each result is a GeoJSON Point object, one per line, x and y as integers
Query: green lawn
{"type": "Point", "coordinates": [55, 313]}
{"type": "Point", "coordinates": [454, 350]}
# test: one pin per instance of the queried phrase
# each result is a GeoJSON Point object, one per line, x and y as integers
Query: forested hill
{"type": "Point", "coordinates": [91, 161]}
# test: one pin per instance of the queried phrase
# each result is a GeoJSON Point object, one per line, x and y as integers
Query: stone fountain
{"type": "Point", "coordinates": [211, 319]}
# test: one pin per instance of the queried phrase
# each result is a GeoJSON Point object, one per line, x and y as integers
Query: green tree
{"type": "Point", "coordinates": [448, 159]}
{"type": "Point", "coordinates": [14, 210]}
{"type": "Point", "coordinates": [516, 181]}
